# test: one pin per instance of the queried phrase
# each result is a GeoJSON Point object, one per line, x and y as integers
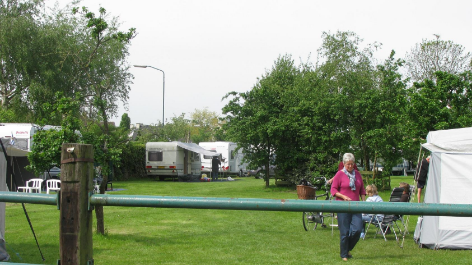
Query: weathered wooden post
{"type": "Point", "coordinates": [76, 214]}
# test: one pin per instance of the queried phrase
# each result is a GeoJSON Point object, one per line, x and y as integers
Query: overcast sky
{"type": "Point", "coordinates": [209, 48]}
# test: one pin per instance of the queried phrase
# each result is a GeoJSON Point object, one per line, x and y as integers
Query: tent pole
{"type": "Point", "coordinates": [32, 230]}
{"type": "Point", "coordinates": [407, 221]}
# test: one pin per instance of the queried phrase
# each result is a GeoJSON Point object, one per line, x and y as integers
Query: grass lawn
{"type": "Point", "coordinates": [194, 236]}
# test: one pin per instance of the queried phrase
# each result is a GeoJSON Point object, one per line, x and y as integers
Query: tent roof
{"type": "Point", "coordinates": [450, 141]}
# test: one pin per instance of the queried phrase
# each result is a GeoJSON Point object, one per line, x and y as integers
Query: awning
{"type": "Point", "coordinates": [13, 151]}
{"type": "Point", "coordinates": [197, 149]}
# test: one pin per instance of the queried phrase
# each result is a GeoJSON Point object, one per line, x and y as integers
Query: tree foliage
{"type": "Point", "coordinates": [20, 34]}
{"type": "Point", "coordinates": [303, 118]}
{"type": "Point", "coordinates": [71, 54]}
{"type": "Point", "coordinates": [46, 151]}
{"type": "Point", "coordinates": [203, 126]}
{"type": "Point", "coordinates": [125, 122]}
{"type": "Point", "coordinates": [441, 104]}
{"type": "Point", "coordinates": [431, 56]}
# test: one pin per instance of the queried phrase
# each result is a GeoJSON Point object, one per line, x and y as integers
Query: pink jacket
{"type": "Point", "coordinates": [341, 184]}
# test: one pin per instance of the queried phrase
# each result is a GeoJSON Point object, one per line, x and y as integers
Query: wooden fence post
{"type": "Point", "coordinates": [75, 234]}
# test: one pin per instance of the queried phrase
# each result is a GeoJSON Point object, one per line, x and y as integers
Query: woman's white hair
{"type": "Point", "coordinates": [348, 157]}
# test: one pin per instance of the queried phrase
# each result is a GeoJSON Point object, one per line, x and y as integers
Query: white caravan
{"type": "Point", "coordinates": [174, 160]}
{"type": "Point", "coordinates": [20, 135]}
{"type": "Point", "coordinates": [231, 162]}
{"type": "Point", "coordinates": [17, 139]}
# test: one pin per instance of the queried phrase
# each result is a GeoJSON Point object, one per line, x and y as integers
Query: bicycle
{"type": "Point", "coordinates": [311, 220]}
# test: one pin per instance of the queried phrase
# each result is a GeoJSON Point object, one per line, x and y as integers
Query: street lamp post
{"type": "Point", "coordinates": [163, 85]}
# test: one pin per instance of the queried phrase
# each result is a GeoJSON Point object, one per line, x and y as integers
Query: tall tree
{"type": "Point", "coordinates": [19, 59]}
{"type": "Point", "coordinates": [125, 122]}
{"type": "Point", "coordinates": [348, 70]}
{"type": "Point", "coordinates": [255, 119]}
{"type": "Point", "coordinates": [105, 79]}
{"type": "Point", "coordinates": [431, 56]}
{"type": "Point", "coordinates": [383, 108]}
{"type": "Point", "coordinates": [441, 104]}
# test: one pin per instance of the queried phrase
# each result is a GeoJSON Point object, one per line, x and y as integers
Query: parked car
{"type": "Point", "coordinates": [398, 170]}
{"type": "Point", "coordinates": [260, 171]}
{"type": "Point", "coordinates": [53, 173]}
{"type": "Point", "coordinates": [377, 167]}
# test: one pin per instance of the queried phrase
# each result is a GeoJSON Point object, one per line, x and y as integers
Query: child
{"type": "Point", "coordinates": [373, 194]}
{"type": "Point", "coordinates": [406, 192]}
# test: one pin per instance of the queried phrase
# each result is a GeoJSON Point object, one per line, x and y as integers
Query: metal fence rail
{"type": "Point", "coordinates": [434, 209]}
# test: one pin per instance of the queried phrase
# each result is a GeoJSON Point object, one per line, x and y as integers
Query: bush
{"type": "Point", "coordinates": [132, 163]}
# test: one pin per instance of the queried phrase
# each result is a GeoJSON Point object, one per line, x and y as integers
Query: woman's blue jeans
{"type": "Point", "coordinates": [350, 226]}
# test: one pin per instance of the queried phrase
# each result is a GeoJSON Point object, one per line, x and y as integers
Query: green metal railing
{"type": "Point", "coordinates": [434, 209]}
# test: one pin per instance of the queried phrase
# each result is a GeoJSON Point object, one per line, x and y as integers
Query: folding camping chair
{"type": "Point", "coordinates": [387, 224]}
{"type": "Point", "coordinates": [395, 196]}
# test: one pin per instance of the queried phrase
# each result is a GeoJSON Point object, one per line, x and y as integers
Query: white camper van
{"type": "Point", "coordinates": [231, 162]}
{"type": "Point", "coordinates": [174, 160]}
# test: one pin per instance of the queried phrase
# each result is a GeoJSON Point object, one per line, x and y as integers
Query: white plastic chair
{"type": "Point", "coordinates": [53, 184]}
{"type": "Point", "coordinates": [96, 187]}
{"type": "Point", "coordinates": [32, 185]}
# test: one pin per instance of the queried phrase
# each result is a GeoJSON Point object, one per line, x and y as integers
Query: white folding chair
{"type": "Point", "coordinates": [53, 185]}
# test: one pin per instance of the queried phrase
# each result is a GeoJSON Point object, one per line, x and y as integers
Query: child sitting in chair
{"type": "Point", "coordinates": [406, 192]}
{"type": "Point", "coordinates": [371, 191]}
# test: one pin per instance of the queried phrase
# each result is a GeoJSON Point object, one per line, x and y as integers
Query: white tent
{"type": "Point", "coordinates": [449, 182]}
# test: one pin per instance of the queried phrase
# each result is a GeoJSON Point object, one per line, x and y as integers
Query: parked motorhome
{"type": "Point", "coordinates": [231, 162]}
{"type": "Point", "coordinates": [174, 160]}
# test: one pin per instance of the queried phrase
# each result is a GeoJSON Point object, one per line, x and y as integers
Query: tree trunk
{"type": "Point", "coordinates": [103, 186]}
{"type": "Point", "coordinates": [99, 208]}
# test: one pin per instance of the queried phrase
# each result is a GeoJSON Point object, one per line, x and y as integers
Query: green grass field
{"type": "Point", "coordinates": [194, 236]}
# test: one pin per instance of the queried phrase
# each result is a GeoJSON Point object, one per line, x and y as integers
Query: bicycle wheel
{"type": "Point", "coordinates": [311, 220]}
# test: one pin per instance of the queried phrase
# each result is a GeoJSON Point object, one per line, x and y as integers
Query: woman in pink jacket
{"type": "Point", "coordinates": [347, 185]}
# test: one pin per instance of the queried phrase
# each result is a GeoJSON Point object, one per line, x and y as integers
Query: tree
{"type": "Point", "coordinates": [384, 109]}
{"type": "Point", "coordinates": [253, 118]}
{"type": "Point", "coordinates": [105, 79]}
{"type": "Point", "coordinates": [18, 50]}
{"type": "Point", "coordinates": [71, 51]}
{"type": "Point", "coordinates": [439, 105]}
{"type": "Point", "coordinates": [348, 72]}
{"type": "Point", "coordinates": [125, 122]}
{"type": "Point", "coordinates": [204, 124]}
{"type": "Point", "coordinates": [46, 151]}
{"type": "Point", "coordinates": [431, 56]}
{"type": "Point", "coordinates": [177, 129]}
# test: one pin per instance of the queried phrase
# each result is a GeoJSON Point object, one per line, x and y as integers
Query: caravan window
{"type": "Point", "coordinates": [232, 155]}
{"type": "Point", "coordinates": [155, 155]}
{"type": "Point", "coordinates": [209, 157]}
